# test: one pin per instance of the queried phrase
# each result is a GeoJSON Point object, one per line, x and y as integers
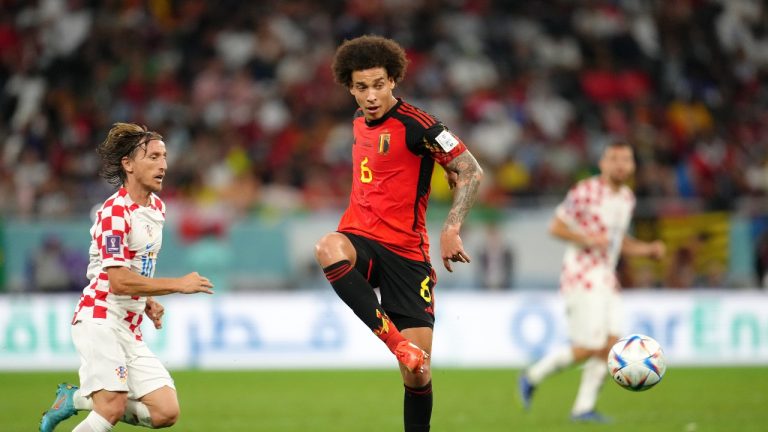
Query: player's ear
{"type": "Point", "coordinates": [127, 164]}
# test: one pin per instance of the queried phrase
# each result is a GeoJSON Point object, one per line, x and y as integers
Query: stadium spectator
{"type": "Point", "coordinates": [55, 268]}
{"type": "Point", "coordinates": [495, 261]}
{"type": "Point", "coordinates": [681, 273]}
{"type": "Point", "coordinates": [593, 219]}
{"type": "Point", "coordinates": [538, 87]}
{"type": "Point", "coordinates": [382, 239]}
{"type": "Point", "coordinates": [120, 378]}
{"type": "Point", "coordinates": [518, 73]}
{"type": "Point", "coordinates": [761, 259]}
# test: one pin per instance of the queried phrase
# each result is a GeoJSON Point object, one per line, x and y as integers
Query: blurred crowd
{"type": "Point", "coordinates": [243, 93]}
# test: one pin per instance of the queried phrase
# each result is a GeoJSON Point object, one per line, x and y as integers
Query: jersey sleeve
{"type": "Point", "coordinates": [111, 235]}
{"type": "Point", "coordinates": [571, 209]}
{"type": "Point", "coordinates": [441, 144]}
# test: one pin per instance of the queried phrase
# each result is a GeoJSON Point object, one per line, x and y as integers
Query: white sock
{"type": "Point", "coordinates": [137, 414]}
{"type": "Point", "coordinates": [81, 402]}
{"type": "Point", "coordinates": [549, 364]}
{"type": "Point", "coordinates": [93, 423]}
{"type": "Point", "coordinates": [591, 381]}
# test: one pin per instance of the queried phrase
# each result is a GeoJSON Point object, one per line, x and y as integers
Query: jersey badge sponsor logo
{"type": "Point", "coordinates": [384, 143]}
{"type": "Point", "coordinates": [122, 374]}
{"type": "Point", "coordinates": [113, 244]}
{"type": "Point", "coordinates": [447, 140]}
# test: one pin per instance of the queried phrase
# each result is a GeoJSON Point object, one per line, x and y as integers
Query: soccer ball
{"type": "Point", "coordinates": [636, 362]}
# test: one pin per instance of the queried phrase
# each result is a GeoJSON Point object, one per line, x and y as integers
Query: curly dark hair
{"type": "Point", "coordinates": [366, 52]}
{"type": "Point", "coordinates": [123, 140]}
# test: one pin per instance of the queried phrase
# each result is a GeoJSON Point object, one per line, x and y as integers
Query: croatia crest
{"type": "Point", "coordinates": [122, 374]}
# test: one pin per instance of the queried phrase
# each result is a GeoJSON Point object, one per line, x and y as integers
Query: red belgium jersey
{"type": "Point", "coordinates": [392, 159]}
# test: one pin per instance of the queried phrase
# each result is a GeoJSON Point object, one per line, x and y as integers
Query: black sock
{"type": "Point", "coordinates": [358, 294]}
{"type": "Point", "coordinates": [417, 408]}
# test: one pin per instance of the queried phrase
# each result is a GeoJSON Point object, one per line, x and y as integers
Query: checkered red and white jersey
{"type": "Point", "coordinates": [592, 207]}
{"type": "Point", "coordinates": [124, 234]}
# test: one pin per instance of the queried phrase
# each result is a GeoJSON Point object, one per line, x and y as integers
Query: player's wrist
{"type": "Point", "coordinates": [451, 228]}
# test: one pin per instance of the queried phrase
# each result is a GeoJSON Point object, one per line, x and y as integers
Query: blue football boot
{"type": "Point", "coordinates": [526, 389]}
{"type": "Point", "coordinates": [63, 408]}
{"type": "Point", "coordinates": [591, 417]}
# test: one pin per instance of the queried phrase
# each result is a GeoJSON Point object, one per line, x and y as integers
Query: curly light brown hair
{"type": "Point", "coordinates": [367, 52]}
{"type": "Point", "coordinates": [123, 140]}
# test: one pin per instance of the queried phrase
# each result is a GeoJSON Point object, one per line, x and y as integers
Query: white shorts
{"type": "Point", "coordinates": [592, 316]}
{"type": "Point", "coordinates": [112, 359]}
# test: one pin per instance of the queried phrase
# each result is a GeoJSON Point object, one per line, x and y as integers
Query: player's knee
{"type": "Point", "coordinates": [165, 417]}
{"type": "Point", "coordinates": [324, 245]}
{"type": "Point", "coordinates": [603, 352]}
{"type": "Point", "coordinates": [417, 380]}
{"type": "Point", "coordinates": [597, 352]}
{"type": "Point", "coordinates": [328, 249]}
{"type": "Point", "coordinates": [112, 411]}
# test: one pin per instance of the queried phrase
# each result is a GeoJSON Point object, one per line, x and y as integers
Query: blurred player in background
{"type": "Point", "coordinates": [593, 219]}
{"type": "Point", "coordinates": [382, 238]}
{"type": "Point", "coordinates": [120, 378]}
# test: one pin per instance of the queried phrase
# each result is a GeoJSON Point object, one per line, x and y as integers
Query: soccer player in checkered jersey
{"type": "Point", "coordinates": [120, 378]}
{"type": "Point", "coordinates": [593, 219]}
{"type": "Point", "coordinates": [381, 240]}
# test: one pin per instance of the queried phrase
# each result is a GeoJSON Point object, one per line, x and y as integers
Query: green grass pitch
{"type": "Point", "coordinates": [484, 400]}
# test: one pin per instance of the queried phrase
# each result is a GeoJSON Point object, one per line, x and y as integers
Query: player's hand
{"type": "Point", "coordinates": [657, 249]}
{"type": "Point", "coordinates": [451, 177]}
{"type": "Point", "coordinates": [194, 283]}
{"type": "Point", "coordinates": [598, 241]}
{"type": "Point", "coordinates": [452, 248]}
{"type": "Point", "coordinates": [155, 311]}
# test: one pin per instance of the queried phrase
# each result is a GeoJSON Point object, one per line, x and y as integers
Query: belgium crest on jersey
{"type": "Point", "coordinates": [384, 143]}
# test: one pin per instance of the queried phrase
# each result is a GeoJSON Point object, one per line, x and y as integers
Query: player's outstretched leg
{"type": "Point", "coordinates": [63, 408]}
{"type": "Point", "coordinates": [358, 294]}
{"type": "Point", "coordinates": [544, 367]}
{"type": "Point", "coordinates": [592, 377]}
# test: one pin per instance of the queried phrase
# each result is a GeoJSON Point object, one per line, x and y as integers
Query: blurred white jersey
{"type": "Point", "coordinates": [125, 234]}
{"type": "Point", "coordinates": [592, 207]}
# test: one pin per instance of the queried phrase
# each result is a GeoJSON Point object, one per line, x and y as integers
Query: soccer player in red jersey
{"type": "Point", "coordinates": [381, 239]}
{"type": "Point", "coordinates": [120, 378]}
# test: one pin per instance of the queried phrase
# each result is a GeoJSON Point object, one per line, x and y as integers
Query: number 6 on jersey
{"type": "Point", "coordinates": [366, 175]}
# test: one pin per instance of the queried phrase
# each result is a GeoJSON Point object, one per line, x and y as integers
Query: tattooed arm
{"type": "Point", "coordinates": [464, 175]}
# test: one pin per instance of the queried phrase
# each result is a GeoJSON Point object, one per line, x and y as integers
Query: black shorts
{"type": "Point", "coordinates": [406, 285]}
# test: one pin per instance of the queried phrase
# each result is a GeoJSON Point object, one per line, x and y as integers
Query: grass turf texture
{"type": "Point", "coordinates": [688, 399]}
